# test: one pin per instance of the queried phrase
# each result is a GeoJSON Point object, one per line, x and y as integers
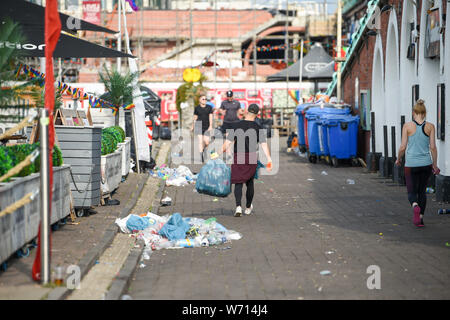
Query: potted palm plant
{"type": "Point", "coordinates": [119, 88]}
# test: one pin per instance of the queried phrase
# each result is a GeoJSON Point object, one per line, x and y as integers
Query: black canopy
{"type": "Point", "coordinates": [33, 15]}
{"type": "Point", "coordinates": [317, 65]}
{"type": "Point", "coordinates": [67, 47]}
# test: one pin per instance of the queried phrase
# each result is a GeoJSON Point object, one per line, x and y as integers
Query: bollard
{"type": "Point", "coordinates": [373, 158]}
{"type": "Point", "coordinates": [385, 158]}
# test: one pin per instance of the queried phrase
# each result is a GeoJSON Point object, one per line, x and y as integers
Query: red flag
{"type": "Point", "coordinates": [52, 32]}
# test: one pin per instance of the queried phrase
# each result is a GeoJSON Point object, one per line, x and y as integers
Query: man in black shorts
{"type": "Point", "coordinates": [202, 124]}
{"type": "Point", "coordinates": [231, 109]}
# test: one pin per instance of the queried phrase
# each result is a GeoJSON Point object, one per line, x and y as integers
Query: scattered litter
{"type": "Point", "coordinates": [329, 252]}
{"type": "Point", "coordinates": [146, 254]}
{"type": "Point", "coordinates": [320, 289]}
{"type": "Point", "coordinates": [324, 173]}
{"type": "Point", "coordinates": [174, 231]}
{"type": "Point", "coordinates": [126, 297]}
{"type": "Point", "coordinates": [311, 179]}
{"type": "Point", "coordinates": [350, 181]}
{"type": "Point", "coordinates": [381, 233]}
{"type": "Point", "coordinates": [430, 190]}
{"type": "Point", "coordinates": [447, 244]}
{"type": "Point", "coordinates": [167, 201]}
{"type": "Point", "coordinates": [215, 200]}
{"type": "Point", "coordinates": [224, 248]}
{"type": "Point", "coordinates": [178, 177]}
{"type": "Point", "coordinates": [302, 155]}
{"type": "Point", "coordinates": [325, 272]}
{"type": "Point", "coordinates": [142, 266]}
{"type": "Point", "coordinates": [270, 190]}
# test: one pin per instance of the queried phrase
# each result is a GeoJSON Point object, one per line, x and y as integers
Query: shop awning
{"type": "Point", "coordinates": [317, 65]}
{"type": "Point", "coordinates": [68, 46]}
{"type": "Point", "coordinates": [33, 15]}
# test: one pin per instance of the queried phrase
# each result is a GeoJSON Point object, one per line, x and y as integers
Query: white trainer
{"type": "Point", "coordinates": [238, 211]}
{"type": "Point", "coordinates": [248, 211]}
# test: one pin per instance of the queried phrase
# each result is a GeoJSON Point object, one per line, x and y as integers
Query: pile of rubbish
{"type": "Point", "coordinates": [178, 177]}
{"type": "Point", "coordinates": [174, 231]}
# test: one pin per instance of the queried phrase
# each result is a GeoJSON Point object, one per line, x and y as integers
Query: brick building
{"type": "Point", "coordinates": [397, 56]}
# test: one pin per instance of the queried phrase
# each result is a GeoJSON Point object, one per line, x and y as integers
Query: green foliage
{"type": "Point", "coordinates": [10, 156]}
{"type": "Point", "coordinates": [9, 61]}
{"type": "Point", "coordinates": [121, 131]}
{"type": "Point", "coordinates": [6, 162]}
{"type": "Point", "coordinates": [116, 133]}
{"type": "Point", "coordinates": [107, 143]}
{"type": "Point", "coordinates": [119, 87]}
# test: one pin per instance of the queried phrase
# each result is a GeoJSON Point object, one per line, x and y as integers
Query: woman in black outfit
{"type": "Point", "coordinates": [246, 138]}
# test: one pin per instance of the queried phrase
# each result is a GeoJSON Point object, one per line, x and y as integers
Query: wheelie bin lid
{"type": "Point", "coordinates": [300, 108]}
{"type": "Point", "coordinates": [338, 118]}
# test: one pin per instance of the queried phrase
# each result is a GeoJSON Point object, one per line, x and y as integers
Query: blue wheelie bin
{"type": "Point", "coordinates": [342, 136]}
{"type": "Point", "coordinates": [322, 129]}
{"type": "Point", "coordinates": [315, 132]}
{"type": "Point", "coordinates": [312, 132]}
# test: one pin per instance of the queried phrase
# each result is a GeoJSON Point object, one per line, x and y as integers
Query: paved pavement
{"type": "Point", "coordinates": [299, 229]}
{"type": "Point", "coordinates": [81, 243]}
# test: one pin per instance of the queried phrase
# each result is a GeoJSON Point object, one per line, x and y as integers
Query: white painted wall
{"type": "Point", "coordinates": [392, 82]}
{"type": "Point", "coordinates": [428, 73]}
{"type": "Point", "coordinates": [378, 100]}
{"type": "Point", "coordinates": [408, 74]}
{"type": "Point", "coordinates": [444, 153]}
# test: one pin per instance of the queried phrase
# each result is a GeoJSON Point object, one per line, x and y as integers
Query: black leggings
{"type": "Point", "coordinates": [248, 195]}
{"type": "Point", "coordinates": [416, 184]}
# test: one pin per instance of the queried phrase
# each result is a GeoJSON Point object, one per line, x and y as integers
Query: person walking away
{"type": "Point", "coordinates": [231, 110]}
{"type": "Point", "coordinates": [202, 125]}
{"type": "Point", "coordinates": [246, 138]}
{"type": "Point", "coordinates": [418, 139]}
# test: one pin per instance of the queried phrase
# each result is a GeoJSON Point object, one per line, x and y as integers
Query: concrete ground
{"type": "Point", "coordinates": [85, 242]}
{"type": "Point", "coordinates": [312, 236]}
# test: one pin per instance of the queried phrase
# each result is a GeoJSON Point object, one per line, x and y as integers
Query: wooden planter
{"type": "Point", "coordinates": [20, 227]}
{"type": "Point", "coordinates": [125, 148]}
{"type": "Point", "coordinates": [111, 171]}
{"type": "Point", "coordinates": [81, 149]}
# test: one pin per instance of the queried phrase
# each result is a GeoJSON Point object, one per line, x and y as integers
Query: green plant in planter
{"type": "Point", "coordinates": [119, 87]}
{"type": "Point", "coordinates": [18, 153]}
{"type": "Point", "coordinates": [121, 131]}
{"type": "Point", "coordinates": [108, 142]}
{"type": "Point", "coordinates": [6, 162]}
{"type": "Point", "coordinates": [116, 133]}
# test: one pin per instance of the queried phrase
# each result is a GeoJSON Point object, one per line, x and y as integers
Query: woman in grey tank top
{"type": "Point", "coordinates": [419, 143]}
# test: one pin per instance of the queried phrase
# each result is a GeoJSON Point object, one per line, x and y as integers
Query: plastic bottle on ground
{"type": "Point", "coordinates": [444, 211]}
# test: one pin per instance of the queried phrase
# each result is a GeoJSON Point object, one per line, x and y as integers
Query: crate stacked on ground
{"type": "Point", "coordinates": [111, 159]}
{"type": "Point", "coordinates": [20, 227]}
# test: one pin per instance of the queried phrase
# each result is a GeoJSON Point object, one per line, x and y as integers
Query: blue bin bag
{"type": "Point", "coordinates": [342, 134]}
{"type": "Point", "coordinates": [214, 179]}
{"type": "Point", "coordinates": [135, 222]}
{"type": "Point", "coordinates": [175, 228]}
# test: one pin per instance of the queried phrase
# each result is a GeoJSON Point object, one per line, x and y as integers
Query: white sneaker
{"type": "Point", "coordinates": [248, 211]}
{"type": "Point", "coordinates": [238, 211]}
